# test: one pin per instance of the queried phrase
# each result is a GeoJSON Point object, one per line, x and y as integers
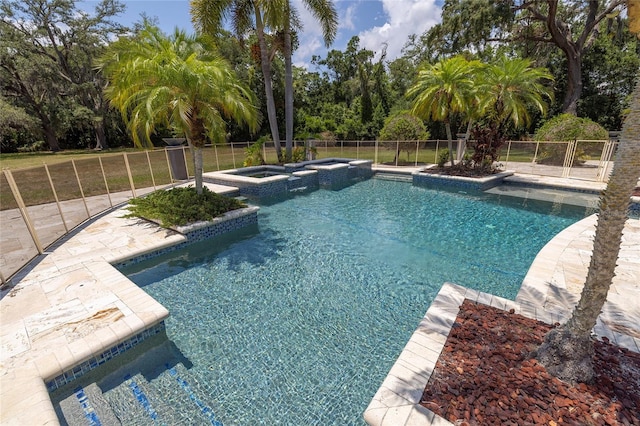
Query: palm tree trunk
{"type": "Point", "coordinates": [196, 154]}
{"type": "Point", "coordinates": [197, 166]}
{"type": "Point", "coordinates": [288, 89]}
{"type": "Point", "coordinates": [447, 126]}
{"type": "Point", "coordinates": [268, 88]}
{"type": "Point", "coordinates": [567, 351]}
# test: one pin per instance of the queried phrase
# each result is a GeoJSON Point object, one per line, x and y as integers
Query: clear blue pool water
{"type": "Point", "coordinates": [298, 320]}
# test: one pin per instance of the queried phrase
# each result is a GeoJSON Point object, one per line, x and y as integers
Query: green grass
{"type": "Point", "coordinates": [21, 160]}
{"type": "Point", "coordinates": [31, 177]}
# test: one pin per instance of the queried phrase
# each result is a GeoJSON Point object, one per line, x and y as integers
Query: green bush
{"type": "Point", "coordinates": [567, 127]}
{"type": "Point", "coordinates": [400, 132]}
{"type": "Point", "coordinates": [443, 157]}
{"type": "Point", "coordinates": [181, 206]}
{"type": "Point", "coordinates": [253, 154]}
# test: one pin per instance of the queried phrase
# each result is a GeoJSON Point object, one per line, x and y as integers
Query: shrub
{"type": "Point", "coordinates": [253, 154]}
{"type": "Point", "coordinates": [180, 206]}
{"type": "Point", "coordinates": [487, 141]}
{"type": "Point", "coordinates": [567, 127]}
{"type": "Point", "coordinates": [402, 127]}
{"type": "Point", "coordinates": [443, 157]}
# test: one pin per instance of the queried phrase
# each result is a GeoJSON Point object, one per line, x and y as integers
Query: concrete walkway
{"type": "Point", "coordinates": [72, 304]}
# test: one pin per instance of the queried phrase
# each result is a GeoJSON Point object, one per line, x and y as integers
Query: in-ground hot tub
{"type": "Point", "coordinates": [264, 181]}
{"type": "Point", "coordinates": [335, 172]}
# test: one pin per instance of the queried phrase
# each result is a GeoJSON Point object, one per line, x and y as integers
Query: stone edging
{"type": "Point", "coordinates": [472, 183]}
{"type": "Point", "coordinates": [397, 401]}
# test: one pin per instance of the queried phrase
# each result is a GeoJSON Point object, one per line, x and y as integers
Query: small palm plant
{"type": "Point", "coordinates": [177, 82]}
{"type": "Point", "coordinates": [443, 90]}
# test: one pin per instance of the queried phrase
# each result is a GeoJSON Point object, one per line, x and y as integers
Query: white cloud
{"type": "Point", "coordinates": [311, 40]}
{"type": "Point", "coordinates": [404, 17]}
{"type": "Point", "coordinates": [346, 17]}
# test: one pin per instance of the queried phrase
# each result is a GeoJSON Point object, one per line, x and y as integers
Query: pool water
{"type": "Point", "coordinates": [298, 320]}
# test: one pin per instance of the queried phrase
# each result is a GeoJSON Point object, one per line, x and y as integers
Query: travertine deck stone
{"type": "Point", "coordinates": [549, 292]}
{"type": "Point", "coordinates": [557, 275]}
{"type": "Point", "coordinates": [397, 402]}
{"type": "Point", "coordinates": [70, 305]}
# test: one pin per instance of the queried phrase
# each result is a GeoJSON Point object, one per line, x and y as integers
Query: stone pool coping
{"type": "Point", "coordinates": [42, 324]}
{"type": "Point", "coordinates": [74, 310]}
{"type": "Point", "coordinates": [548, 293]}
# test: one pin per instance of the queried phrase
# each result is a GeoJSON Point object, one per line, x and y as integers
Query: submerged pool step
{"type": "Point", "coordinates": [166, 399]}
{"type": "Point", "coordinates": [87, 406]}
{"type": "Point", "coordinates": [394, 177]}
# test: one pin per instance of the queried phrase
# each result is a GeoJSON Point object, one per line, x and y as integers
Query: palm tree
{"type": "Point", "coordinates": [208, 16]}
{"type": "Point", "coordinates": [509, 88]}
{"type": "Point", "coordinates": [444, 89]}
{"type": "Point", "coordinates": [176, 82]}
{"type": "Point", "coordinates": [325, 12]}
{"type": "Point", "coordinates": [567, 351]}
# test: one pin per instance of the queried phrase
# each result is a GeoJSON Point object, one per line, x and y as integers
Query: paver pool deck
{"type": "Point", "coordinates": [72, 304]}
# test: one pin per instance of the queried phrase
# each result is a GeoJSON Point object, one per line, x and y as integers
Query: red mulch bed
{"type": "Point", "coordinates": [486, 376]}
{"type": "Point", "coordinates": [460, 171]}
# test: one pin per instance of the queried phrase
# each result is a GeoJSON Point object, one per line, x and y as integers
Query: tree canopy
{"type": "Point", "coordinates": [47, 70]}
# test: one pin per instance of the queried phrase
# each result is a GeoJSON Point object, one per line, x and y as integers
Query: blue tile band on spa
{"type": "Point", "coordinates": [268, 181]}
{"type": "Point", "coordinates": [81, 369]}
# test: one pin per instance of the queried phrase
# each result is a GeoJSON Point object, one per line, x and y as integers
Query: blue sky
{"type": "Point", "coordinates": [376, 22]}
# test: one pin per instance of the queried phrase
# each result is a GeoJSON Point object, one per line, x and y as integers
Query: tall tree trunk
{"type": "Point", "coordinates": [567, 351]}
{"type": "Point", "coordinates": [48, 130]}
{"type": "Point", "coordinates": [288, 88]}
{"type": "Point", "coordinates": [98, 130]}
{"type": "Point", "coordinates": [268, 88]}
{"type": "Point", "coordinates": [574, 83]}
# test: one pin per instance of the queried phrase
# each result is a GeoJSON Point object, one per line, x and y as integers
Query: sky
{"type": "Point", "coordinates": [376, 22]}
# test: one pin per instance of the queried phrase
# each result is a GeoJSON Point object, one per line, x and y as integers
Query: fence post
{"type": "Point", "coordinates": [215, 150]}
{"type": "Point", "coordinates": [84, 200]}
{"type": "Point", "coordinates": [23, 210]}
{"type": "Point", "coordinates": [605, 158]}
{"type": "Point", "coordinates": [569, 155]}
{"type": "Point", "coordinates": [126, 164]}
{"type": "Point", "coordinates": [417, 152]}
{"type": "Point", "coordinates": [106, 184]}
{"type": "Point", "coordinates": [166, 155]}
{"type": "Point", "coordinates": [55, 196]}
{"type": "Point", "coordinates": [153, 180]}
{"type": "Point", "coordinates": [435, 158]}
{"type": "Point", "coordinates": [184, 155]}
{"type": "Point", "coordinates": [375, 155]}
{"type": "Point", "coordinates": [506, 161]}
{"type": "Point", "coordinates": [535, 153]}
{"type": "Point", "coordinates": [233, 155]}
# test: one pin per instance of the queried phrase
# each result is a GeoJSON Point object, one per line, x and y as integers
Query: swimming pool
{"type": "Point", "coordinates": [298, 320]}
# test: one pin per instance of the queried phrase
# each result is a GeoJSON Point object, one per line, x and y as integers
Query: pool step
{"type": "Point", "coordinates": [87, 406]}
{"type": "Point", "coordinates": [172, 397]}
{"type": "Point", "coordinates": [394, 177]}
{"type": "Point", "coordinates": [162, 400]}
